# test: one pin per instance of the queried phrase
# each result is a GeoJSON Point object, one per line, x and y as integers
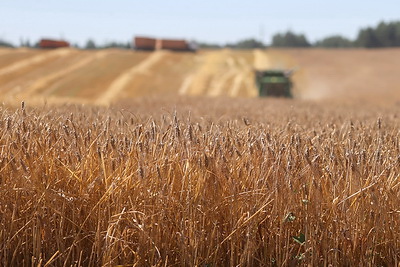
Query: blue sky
{"type": "Point", "coordinates": [218, 21]}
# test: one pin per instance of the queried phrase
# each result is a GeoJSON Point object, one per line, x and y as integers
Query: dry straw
{"type": "Point", "coordinates": [99, 187]}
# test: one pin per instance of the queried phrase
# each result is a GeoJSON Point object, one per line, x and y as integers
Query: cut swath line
{"type": "Point", "coordinates": [183, 90]}
{"type": "Point", "coordinates": [47, 80]}
{"type": "Point", "coordinates": [121, 82]}
{"type": "Point", "coordinates": [210, 62]}
{"type": "Point", "coordinates": [34, 60]}
{"type": "Point", "coordinates": [218, 85]}
{"type": "Point", "coordinates": [230, 62]}
{"type": "Point", "coordinates": [261, 60]}
{"type": "Point", "coordinates": [237, 82]}
{"type": "Point", "coordinates": [5, 51]}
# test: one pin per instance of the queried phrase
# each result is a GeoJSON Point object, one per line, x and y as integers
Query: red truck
{"type": "Point", "coordinates": [47, 43]}
{"type": "Point", "coordinates": [144, 43]}
{"type": "Point", "coordinates": [175, 45]}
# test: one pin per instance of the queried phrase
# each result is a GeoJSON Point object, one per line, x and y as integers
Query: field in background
{"type": "Point", "coordinates": [106, 76]}
{"type": "Point", "coordinates": [186, 167]}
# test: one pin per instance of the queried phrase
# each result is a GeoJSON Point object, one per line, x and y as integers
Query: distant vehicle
{"type": "Point", "coordinates": [274, 83]}
{"type": "Point", "coordinates": [47, 43]}
{"type": "Point", "coordinates": [146, 43]}
{"type": "Point", "coordinates": [174, 45]}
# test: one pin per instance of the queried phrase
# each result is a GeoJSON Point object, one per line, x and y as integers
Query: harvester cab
{"type": "Point", "coordinates": [274, 83]}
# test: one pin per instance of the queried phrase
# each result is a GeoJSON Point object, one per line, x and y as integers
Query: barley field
{"type": "Point", "coordinates": [200, 182]}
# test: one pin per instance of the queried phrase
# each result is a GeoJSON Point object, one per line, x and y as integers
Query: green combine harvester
{"type": "Point", "coordinates": [274, 83]}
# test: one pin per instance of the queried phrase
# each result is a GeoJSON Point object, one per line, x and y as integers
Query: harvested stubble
{"type": "Point", "coordinates": [89, 187]}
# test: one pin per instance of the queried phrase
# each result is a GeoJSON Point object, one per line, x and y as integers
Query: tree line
{"type": "Point", "coordinates": [382, 35]}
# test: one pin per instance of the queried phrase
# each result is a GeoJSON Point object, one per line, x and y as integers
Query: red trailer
{"type": "Point", "coordinates": [144, 43]}
{"type": "Point", "coordinates": [175, 45]}
{"type": "Point", "coordinates": [47, 43]}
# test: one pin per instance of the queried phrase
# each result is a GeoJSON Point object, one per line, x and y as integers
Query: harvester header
{"type": "Point", "coordinates": [275, 83]}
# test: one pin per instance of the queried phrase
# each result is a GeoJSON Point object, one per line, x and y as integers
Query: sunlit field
{"type": "Point", "coordinates": [200, 182]}
{"type": "Point", "coordinates": [220, 134]}
{"type": "Point", "coordinates": [107, 76]}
